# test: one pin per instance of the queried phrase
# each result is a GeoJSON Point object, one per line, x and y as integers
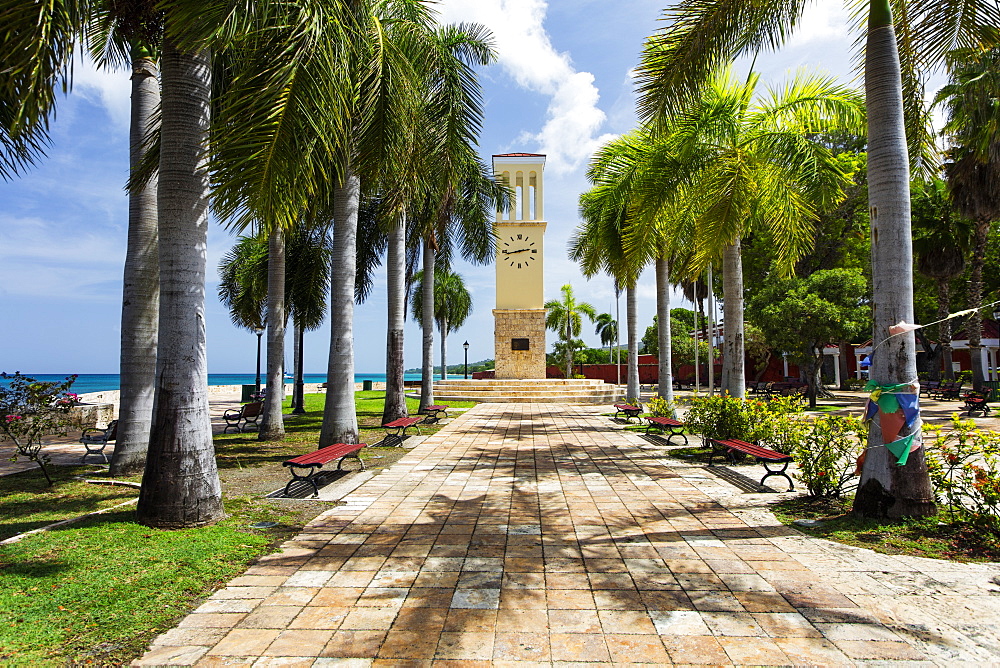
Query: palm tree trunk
{"type": "Point", "coordinates": [944, 329]}
{"type": "Point", "coordinates": [141, 287]}
{"type": "Point", "coordinates": [395, 398]}
{"type": "Point", "coordinates": [633, 343]}
{"type": "Point", "coordinates": [733, 354]}
{"type": "Point", "coordinates": [180, 484]}
{"type": "Point", "coordinates": [711, 334]}
{"type": "Point", "coordinates": [443, 328]}
{"type": "Point", "coordinates": [886, 489]}
{"type": "Point", "coordinates": [298, 394]}
{"type": "Point", "coordinates": [340, 417]}
{"type": "Point", "coordinates": [272, 424]}
{"type": "Point", "coordinates": [569, 346]}
{"type": "Point", "coordinates": [845, 351]}
{"type": "Point", "coordinates": [974, 328]}
{"type": "Point", "coordinates": [427, 354]}
{"type": "Point", "coordinates": [665, 381]}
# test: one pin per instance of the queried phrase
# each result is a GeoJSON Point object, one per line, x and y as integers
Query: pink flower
{"type": "Point", "coordinates": [12, 418]}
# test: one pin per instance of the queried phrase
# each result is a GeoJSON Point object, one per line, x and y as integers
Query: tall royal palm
{"type": "Point", "coordinates": [606, 328]}
{"type": "Point", "coordinates": [703, 34]}
{"type": "Point", "coordinates": [454, 212]}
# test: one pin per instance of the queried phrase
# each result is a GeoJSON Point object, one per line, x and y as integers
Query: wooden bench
{"type": "Point", "coordinates": [314, 461]}
{"type": "Point", "coordinates": [763, 455]}
{"type": "Point", "coordinates": [248, 415]}
{"type": "Point", "coordinates": [976, 404]}
{"type": "Point", "coordinates": [628, 410]}
{"type": "Point", "coordinates": [93, 436]}
{"type": "Point", "coordinates": [929, 388]}
{"type": "Point", "coordinates": [954, 391]}
{"type": "Point", "coordinates": [434, 413]}
{"type": "Point", "coordinates": [401, 425]}
{"type": "Point", "coordinates": [664, 424]}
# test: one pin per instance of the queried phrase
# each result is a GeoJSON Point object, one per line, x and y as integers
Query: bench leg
{"type": "Point", "coordinates": [356, 455]}
{"type": "Point", "coordinates": [98, 451]}
{"type": "Point", "coordinates": [782, 473]}
{"type": "Point", "coordinates": [674, 431]}
{"type": "Point", "coordinates": [308, 478]}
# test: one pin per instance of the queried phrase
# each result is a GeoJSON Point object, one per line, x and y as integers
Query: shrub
{"type": "Point", "coordinates": [776, 423]}
{"type": "Point", "coordinates": [855, 383]}
{"type": "Point", "coordinates": [827, 452]}
{"type": "Point", "coordinates": [660, 407]}
{"type": "Point", "coordinates": [964, 465]}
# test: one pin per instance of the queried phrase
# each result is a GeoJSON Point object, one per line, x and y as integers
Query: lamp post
{"type": "Point", "coordinates": [258, 331]}
{"type": "Point", "coordinates": [466, 346]}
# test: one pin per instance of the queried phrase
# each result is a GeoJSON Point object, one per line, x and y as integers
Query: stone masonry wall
{"type": "Point", "coordinates": [519, 324]}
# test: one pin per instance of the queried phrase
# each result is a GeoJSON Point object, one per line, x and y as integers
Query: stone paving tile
{"type": "Point", "coordinates": [545, 535]}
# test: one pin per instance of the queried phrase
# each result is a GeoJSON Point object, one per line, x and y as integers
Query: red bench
{"type": "Point", "coordinates": [976, 404]}
{"type": "Point", "coordinates": [628, 410]}
{"type": "Point", "coordinates": [434, 413]}
{"type": "Point", "coordinates": [664, 424]}
{"type": "Point", "coordinates": [314, 461]}
{"type": "Point", "coordinates": [401, 425]}
{"type": "Point", "coordinates": [763, 455]}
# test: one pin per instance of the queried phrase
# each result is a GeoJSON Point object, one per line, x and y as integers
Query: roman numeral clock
{"type": "Point", "coordinates": [519, 316]}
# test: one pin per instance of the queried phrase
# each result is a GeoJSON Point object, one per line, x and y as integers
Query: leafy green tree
{"type": "Point", "coordinates": [564, 317]}
{"type": "Point", "coordinates": [452, 306]}
{"type": "Point", "coordinates": [973, 168]}
{"type": "Point", "coordinates": [941, 241]}
{"type": "Point", "coordinates": [800, 316]}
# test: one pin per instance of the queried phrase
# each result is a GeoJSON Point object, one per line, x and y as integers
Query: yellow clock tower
{"type": "Point", "coordinates": [519, 316]}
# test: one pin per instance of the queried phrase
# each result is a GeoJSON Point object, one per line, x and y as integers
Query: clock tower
{"type": "Point", "coordinates": [519, 316]}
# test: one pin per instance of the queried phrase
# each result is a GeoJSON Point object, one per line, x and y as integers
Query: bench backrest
{"type": "Point", "coordinates": [252, 409]}
{"type": "Point", "coordinates": [113, 430]}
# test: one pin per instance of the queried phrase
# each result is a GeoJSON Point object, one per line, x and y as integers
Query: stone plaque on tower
{"type": "Point", "coordinates": [519, 316]}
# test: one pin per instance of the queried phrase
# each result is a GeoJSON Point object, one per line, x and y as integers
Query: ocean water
{"type": "Point", "coordinates": [100, 382]}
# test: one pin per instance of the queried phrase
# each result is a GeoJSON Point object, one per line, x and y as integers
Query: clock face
{"type": "Point", "coordinates": [519, 251]}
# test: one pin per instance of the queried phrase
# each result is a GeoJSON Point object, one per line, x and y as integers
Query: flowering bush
{"type": "Point", "coordinates": [31, 409]}
{"type": "Point", "coordinates": [776, 424]}
{"type": "Point", "coordinates": [660, 407]}
{"type": "Point", "coordinates": [826, 453]}
{"type": "Point", "coordinates": [964, 465]}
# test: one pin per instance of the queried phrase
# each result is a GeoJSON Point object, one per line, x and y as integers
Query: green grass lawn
{"type": "Point", "coordinates": [934, 537]}
{"type": "Point", "coordinates": [99, 590]}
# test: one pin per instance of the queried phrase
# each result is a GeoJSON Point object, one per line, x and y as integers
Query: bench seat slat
{"type": "Point", "coordinates": [669, 422]}
{"type": "Point", "coordinates": [403, 422]}
{"type": "Point", "coordinates": [325, 455]}
{"type": "Point", "coordinates": [758, 451]}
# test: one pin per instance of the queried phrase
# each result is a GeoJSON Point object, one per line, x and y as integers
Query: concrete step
{"type": "Point", "coordinates": [550, 390]}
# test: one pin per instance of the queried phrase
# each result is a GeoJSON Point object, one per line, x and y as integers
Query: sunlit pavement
{"type": "Point", "coordinates": [545, 534]}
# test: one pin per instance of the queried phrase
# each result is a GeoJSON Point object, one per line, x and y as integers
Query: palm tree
{"type": "Point", "coordinates": [245, 276]}
{"type": "Point", "coordinates": [563, 317]}
{"type": "Point", "coordinates": [606, 327]}
{"type": "Point", "coordinates": [704, 34]}
{"type": "Point", "coordinates": [457, 204]}
{"type": "Point", "coordinates": [941, 243]}
{"type": "Point", "coordinates": [973, 169]}
{"type": "Point", "coordinates": [452, 306]}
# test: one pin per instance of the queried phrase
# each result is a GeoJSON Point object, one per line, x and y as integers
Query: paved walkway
{"type": "Point", "coordinates": [542, 534]}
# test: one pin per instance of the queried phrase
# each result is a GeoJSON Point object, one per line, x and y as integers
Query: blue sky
{"type": "Point", "coordinates": [561, 87]}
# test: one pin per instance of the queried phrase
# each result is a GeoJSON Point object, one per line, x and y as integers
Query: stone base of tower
{"type": "Point", "coordinates": [519, 343]}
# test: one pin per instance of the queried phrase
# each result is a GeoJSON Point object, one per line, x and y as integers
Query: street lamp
{"type": "Point", "coordinates": [466, 346]}
{"type": "Point", "coordinates": [258, 331]}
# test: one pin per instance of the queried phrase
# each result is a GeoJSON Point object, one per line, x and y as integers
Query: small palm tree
{"type": "Point", "coordinates": [564, 318]}
{"type": "Point", "coordinates": [606, 327]}
{"type": "Point", "coordinates": [452, 306]}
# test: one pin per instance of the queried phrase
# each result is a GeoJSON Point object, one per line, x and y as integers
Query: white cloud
{"type": "Point", "coordinates": [42, 260]}
{"type": "Point", "coordinates": [526, 53]}
{"type": "Point", "coordinates": [823, 21]}
{"type": "Point", "coordinates": [111, 90]}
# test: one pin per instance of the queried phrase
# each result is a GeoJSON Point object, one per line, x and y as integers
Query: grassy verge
{"type": "Point", "coordinates": [934, 537]}
{"type": "Point", "coordinates": [99, 590]}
